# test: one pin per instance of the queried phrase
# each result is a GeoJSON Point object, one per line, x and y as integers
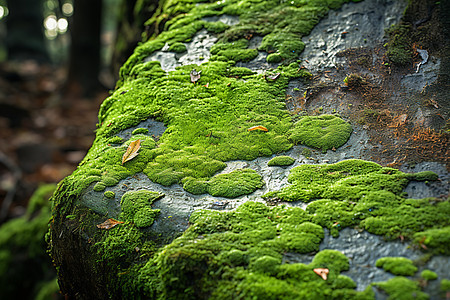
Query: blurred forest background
{"type": "Point", "coordinates": [58, 60]}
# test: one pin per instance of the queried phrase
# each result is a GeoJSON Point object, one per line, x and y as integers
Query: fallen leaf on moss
{"type": "Point", "coordinates": [132, 151]}
{"type": "Point", "coordinates": [259, 127]}
{"type": "Point", "coordinates": [322, 272]}
{"type": "Point", "coordinates": [110, 223]}
{"type": "Point", "coordinates": [274, 76]}
{"type": "Point", "coordinates": [195, 76]}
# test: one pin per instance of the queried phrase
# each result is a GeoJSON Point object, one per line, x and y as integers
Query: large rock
{"type": "Point", "coordinates": [177, 199]}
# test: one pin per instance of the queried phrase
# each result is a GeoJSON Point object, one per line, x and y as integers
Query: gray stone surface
{"type": "Point", "coordinates": [359, 24]}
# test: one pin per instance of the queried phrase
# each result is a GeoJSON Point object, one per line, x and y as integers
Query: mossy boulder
{"type": "Point", "coordinates": [111, 247]}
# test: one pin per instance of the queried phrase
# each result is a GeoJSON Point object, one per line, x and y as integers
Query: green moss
{"type": "Point", "coordinates": [428, 275]}
{"type": "Point", "coordinates": [140, 131]}
{"type": "Point", "coordinates": [397, 265]}
{"type": "Point", "coordinates": [356, 192]}
{"type": "Point", "coordinates": [48, 290]}
{"type": "Point", "coordinates": [109, 194]}
{"type": "Point", "coordinates": [234, 184]}
{"type": "Point", "coordinates": [333, 260]}
{"type": "Point", "coordinates": [281, 161]}
{"type": "Point", "coordinates": [324, 132]}
{"type": "Point", "coordinates": [231, 185]}
{"type": "Point", "coordinates": [401, 288]}
{"type": "Point", "coordinates": [287, 45]}
{"type": "Point", "coordinates": [40, 197]}
{"type": "Point", "coordinates": [178, 47]}
{"type": "Point", "coordinates": [25, 266]}
{"type": "Point", "coordinates": [136, 207]}
{"type": "Point", "coordinates": [99, 186]}
{"type": "Point", "coordinates": [445, 285]}
{"type": "Point", "coordinates": [274, 58]}
{"type": "Point", "coordinates": [115, 140]}
{"type": "Point", "coordinates": [238, 254]}
{"type": "Point", "coordinates": [240, 72]}
{"type": "Point", "coordinates": [265, 264]}
{"type": "Point", "coordinates": [399, 45]}
{"type": "Point", "coordinates": [436, 238]}
{"type": "Point", "coordinates": [207, 126]}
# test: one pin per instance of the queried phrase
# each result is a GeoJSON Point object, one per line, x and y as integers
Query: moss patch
{"type": "Point", "coordinates": [281, 161]}
{"type": "Point", "coordinates": [397, 265]}
{"type": "Point", "coordinates": [25, 267]}
{"type": "Point", "coordinates": [140, 131]}
{"type": "Point", "coordinates": [356, 192]}
{"type": "Point", "coordinates": [324, 132]}
{"type": "Point", "coordinates": [136, 207]}
{"type": "Point", "coordinates": [399, 45]}
{"type": "Point", "coordinates": [428, 275]}
{"type": "Point", "coordinates": [401, 288]}
{"type": "Point", "coordinates": [238, 254]}
{"type": "Point", "coordinates": [436, 238]}
{"type": "Point", "coordinates": [237, 183]}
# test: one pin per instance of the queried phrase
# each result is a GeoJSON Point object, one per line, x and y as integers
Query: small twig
{"type": "Point", "coordinates": [17, 174]}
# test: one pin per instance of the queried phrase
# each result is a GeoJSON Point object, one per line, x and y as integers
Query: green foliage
{"type": "Point", "coordinates": [397, 265]}
{"type": "Point", "coordinates": [401, 288]}
{"type": "Point", "coordinates": [324, 132]}
{"type": "Point", "coordinates": [281, 161]}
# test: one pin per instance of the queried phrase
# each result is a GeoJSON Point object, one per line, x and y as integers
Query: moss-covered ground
{"type": "Point", "coordinates": [236, 254]}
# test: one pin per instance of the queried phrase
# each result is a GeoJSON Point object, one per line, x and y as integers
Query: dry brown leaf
{"type": "Point", "coordinates": [273, 77]}
{"type": "Point", "coordinates": [259, 127]}
{"type": "Point", "coordinates": [195, 76]}
{"type": "Point", "coordinates": [322, 272]}
{"type": "Point", "coordinates": [110, 223]}
{"type": "Point", "coordinates": [132, 151]}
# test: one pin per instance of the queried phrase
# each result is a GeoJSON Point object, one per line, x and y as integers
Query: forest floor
{"type": "Point", "coordinates": [44, 131]}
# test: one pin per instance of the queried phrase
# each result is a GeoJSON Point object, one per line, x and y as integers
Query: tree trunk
{"type": "Point", "coordinates": [84, 57]}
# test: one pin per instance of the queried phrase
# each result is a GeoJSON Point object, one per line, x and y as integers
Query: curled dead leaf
{"type": "Point", "coordinates": [322, 272]}
{"type": "Point", "coordinates": [273, 77]}
{"type": "Point", "coordinates": [132, 151]}
{"type": "Point", "coordinates": [195, 76]}
{"type": "Point", "coordinates": [259, 127]}
{"type": "Point", "coordinates": [110, 223]}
